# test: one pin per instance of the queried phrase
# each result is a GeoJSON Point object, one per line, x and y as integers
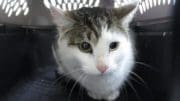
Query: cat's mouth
{"type": "Point", "coordinates": [101, 74]}
{"type": "Point", "coordinates": [108, 72]}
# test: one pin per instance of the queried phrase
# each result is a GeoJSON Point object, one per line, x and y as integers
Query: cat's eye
{"type": "Point", "coordinates": [113, 46]}
{"type": "Point", "coordinates": [85, 47]}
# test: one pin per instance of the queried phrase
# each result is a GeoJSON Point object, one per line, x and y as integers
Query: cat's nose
{"type": "Point", "coordinates": [102, 68]}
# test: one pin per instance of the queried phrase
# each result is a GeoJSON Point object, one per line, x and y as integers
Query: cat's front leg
{"type": "Point", "coordinates": [113, 96]}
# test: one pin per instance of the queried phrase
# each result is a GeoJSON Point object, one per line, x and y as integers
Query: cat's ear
{"type": "Point", "coordinates": [61, 19]}
{"type": "Point", "coordinates": [126, 13]}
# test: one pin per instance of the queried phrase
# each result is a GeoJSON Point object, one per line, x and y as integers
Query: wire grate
{"type": "Point", "coordinates": [15, 7]}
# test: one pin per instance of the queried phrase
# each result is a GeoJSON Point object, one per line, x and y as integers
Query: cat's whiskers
{"type": "Point", "coordinates": [64, 75]}
{"type": "Point", "coordinates": [67, 83]}
{"type": "Point", "coordinates": [138, 77]}
{"type": "Point", "coordinates": [146, 65]}
{"type": "Point", "coordinates": [138, 82]}
{"type": "Point", "coordinates": [81, 89]}
{"type": "Point", "coordinates": [123, 92]}
{"type": "Point", "coordinates": [126, 93]}
{"type": "Point", "coordinates": [132, 87]}
{"type": "Point", "coordinates": [69, 80]}
{"type": "Point", "coordinates": [74, 85]}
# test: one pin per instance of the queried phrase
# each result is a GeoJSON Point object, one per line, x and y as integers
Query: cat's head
{"type": "Point", "coordinates": [93, 40]}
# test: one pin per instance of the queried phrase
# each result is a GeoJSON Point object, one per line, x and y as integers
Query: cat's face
{"type": "Point", "coordinates": [93, 40]}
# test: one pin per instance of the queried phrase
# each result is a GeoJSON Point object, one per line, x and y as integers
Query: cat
{"type": "Point", "coordinates": [95, 47]}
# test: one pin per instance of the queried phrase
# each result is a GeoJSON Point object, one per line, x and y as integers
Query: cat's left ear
{"type": "Point", "coordinates": [62, 19]}
{"type": "Point", "coordinates": [125, 14]}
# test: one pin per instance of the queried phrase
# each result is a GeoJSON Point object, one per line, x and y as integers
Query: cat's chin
{"type": "Point", "coordinates": [111, 97]}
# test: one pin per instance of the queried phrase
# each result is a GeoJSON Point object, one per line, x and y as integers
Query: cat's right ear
{"type": "Point", "coordinates": [125, 14]}
{"type": "Point", "coordinates": [61, 18]}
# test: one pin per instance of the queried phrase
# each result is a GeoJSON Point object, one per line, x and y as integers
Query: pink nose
{"type": "Point", "coordinates": [102, 68]}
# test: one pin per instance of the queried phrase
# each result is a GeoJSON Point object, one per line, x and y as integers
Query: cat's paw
{"type": "Point", "coordinates": [113, 96]}
{"type": "Point", "coordinates": [94, 96]}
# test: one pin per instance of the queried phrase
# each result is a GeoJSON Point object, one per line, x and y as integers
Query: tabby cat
{"type": "Point", "coordinates": [95, 47]}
